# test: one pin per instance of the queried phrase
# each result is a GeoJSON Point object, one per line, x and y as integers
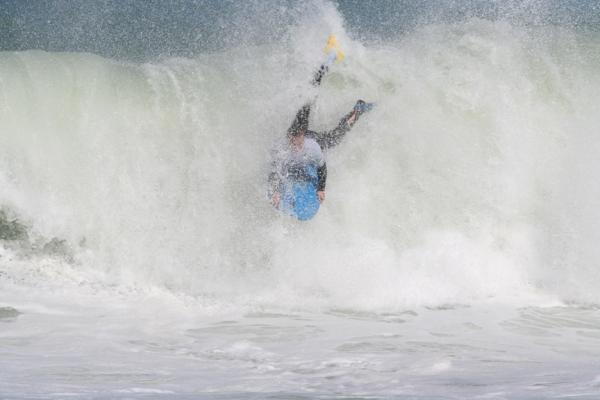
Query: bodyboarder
{"type": "Point", "coordinates": [300, 157]}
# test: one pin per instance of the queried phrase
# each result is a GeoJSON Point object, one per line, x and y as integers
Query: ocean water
{"type": "Point", "coordinates": [455, 255]}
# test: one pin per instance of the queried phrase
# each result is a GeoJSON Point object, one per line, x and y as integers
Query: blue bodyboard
{"type": "Point", "coordinates": [299, 197]}
{"type": "Point", "coordinates": [300, 200]}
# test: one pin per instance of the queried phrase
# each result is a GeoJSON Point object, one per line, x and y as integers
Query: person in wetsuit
{"type": "Point", "coordinates": [300, 156]}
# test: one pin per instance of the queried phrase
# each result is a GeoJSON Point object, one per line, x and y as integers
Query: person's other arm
{"type": "Point", "coordinates": [322, 180]}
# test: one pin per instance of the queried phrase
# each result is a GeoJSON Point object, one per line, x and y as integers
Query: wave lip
{"type": "Point", "coordinates": [471, 181]}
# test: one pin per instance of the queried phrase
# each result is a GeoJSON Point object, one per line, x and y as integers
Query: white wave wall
{"type": "Point", "coordinates": [474, 179]}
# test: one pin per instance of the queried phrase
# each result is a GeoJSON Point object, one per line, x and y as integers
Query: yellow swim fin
{"type": "Point", "coordinates": [334, 47]}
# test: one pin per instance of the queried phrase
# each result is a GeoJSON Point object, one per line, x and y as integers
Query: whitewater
{"type": "Point", "coordinates": [456, 255]}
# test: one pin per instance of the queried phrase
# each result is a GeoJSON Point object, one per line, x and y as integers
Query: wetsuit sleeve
{"type": "Point", "coordinates": [322, 177]}
{"type": "Point", "coordinates": [274, 183]}
{"type": "Point", "coordinates": [274, 179]}
{"type": "Point", "coordinates": [333, 137]}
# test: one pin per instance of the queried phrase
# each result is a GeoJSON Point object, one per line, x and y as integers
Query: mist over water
{"type": "Point", "coordinates": [473, 180]}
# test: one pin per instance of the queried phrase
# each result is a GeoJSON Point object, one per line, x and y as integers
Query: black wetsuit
{"type": "Point", "coordinates": [325, 140]}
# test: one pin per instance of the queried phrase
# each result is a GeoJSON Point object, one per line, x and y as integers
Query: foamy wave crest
{"type": "Point", "coordinates": [474, 179]}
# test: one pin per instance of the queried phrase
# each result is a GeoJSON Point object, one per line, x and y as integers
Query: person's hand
{"type": "Point", "coordinates": [321, 196]}
{"type": "Point", "coordinates": [276, 199]}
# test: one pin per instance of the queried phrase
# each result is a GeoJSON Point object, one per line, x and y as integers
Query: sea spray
{"type": "Point", "coordinates": [471, 181]}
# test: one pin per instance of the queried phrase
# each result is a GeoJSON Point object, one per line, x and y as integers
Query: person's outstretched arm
{"type": "Point", "coordinates": [328, 139]}
{"type": "Point", "coordinates": [333, 137]}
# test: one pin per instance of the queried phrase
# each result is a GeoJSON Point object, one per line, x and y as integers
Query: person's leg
{"type": "Point", "coordinates": [333, 137]}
